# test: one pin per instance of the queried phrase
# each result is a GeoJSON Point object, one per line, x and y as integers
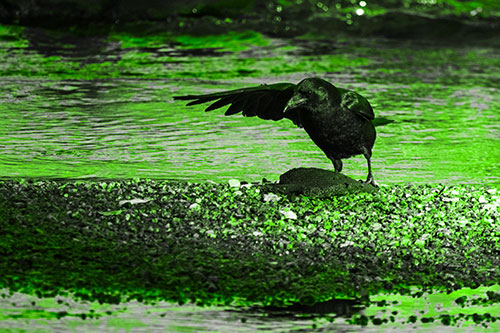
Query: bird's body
{"type": "Point", "coordinates": [339, 121]}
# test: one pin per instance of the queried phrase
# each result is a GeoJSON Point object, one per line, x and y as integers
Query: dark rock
{"type": "Point", "coordinates": [319, 183]}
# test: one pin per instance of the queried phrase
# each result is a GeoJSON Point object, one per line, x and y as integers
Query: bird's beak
{"type": "Point", "coordinates": [295, 102]}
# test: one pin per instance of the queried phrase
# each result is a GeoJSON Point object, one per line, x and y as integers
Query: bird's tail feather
{"type": "Point", "coordinates": [381, 121]}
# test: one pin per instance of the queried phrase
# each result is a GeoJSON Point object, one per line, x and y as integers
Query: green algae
{"type": "Point", "coordinates": [11, 36]}
{"type": "Point", "coordinates": [136, 63]}
{"type": "Point", "coordinates": [232, 41]}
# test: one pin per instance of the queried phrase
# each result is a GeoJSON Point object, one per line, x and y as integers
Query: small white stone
{"type": "Point", "coordinates": [289, 214]}
{"type": "Point", "coordinates": [347, 243]}
{"type": "Point", "coordinates": [270, 197]}
{"type": "Point", "coordinates": [234, 182]}
{"type": "Point", "coordinates": [194, 206]}
{"type": "Point", "coordinates": [133, 201]}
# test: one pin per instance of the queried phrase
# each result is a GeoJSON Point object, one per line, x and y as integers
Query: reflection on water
{"type": "Point", "coordinates": [62, 313]}
{"type": "Point", "coordinates": [102, 107]}
{"type": "Point", "coordinates": [24, 312]}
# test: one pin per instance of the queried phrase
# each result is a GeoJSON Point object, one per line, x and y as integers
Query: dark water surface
{"type": "Point", "coordinates": [85, 107]}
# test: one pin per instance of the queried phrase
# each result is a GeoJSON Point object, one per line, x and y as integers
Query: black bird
{"type": "Point", "coordinates": [339, 121]}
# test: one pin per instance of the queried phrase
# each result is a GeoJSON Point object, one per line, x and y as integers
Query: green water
{"type": "Point", "coordinates": [101, 106]}
{"type": "Point", "coordinates": [22, 312]}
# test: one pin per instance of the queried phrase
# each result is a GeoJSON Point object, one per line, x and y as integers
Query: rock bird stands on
{"type": "Point", "coordinates": [339, 121]}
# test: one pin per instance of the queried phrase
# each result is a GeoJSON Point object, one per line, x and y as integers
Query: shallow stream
{"type": "Point", "coordinates": [101, 107]}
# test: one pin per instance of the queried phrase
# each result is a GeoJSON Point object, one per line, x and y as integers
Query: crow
{"type": "Point", "coordinates": [340, 122]}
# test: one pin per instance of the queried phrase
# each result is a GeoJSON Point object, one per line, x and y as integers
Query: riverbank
{"type": "Point", "coordinates": [209, 243]}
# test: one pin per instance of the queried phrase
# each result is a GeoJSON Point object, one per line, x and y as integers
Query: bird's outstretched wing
{"type": "Point", "coordinates": [356, 103]}
{"type": "Point", "coordinates": [264, 101]}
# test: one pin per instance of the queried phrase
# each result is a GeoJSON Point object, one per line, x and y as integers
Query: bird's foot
{"type": "Point", "coordinates": [370, 181]}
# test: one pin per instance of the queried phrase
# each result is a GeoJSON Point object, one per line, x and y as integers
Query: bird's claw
{"type": "Point", "coordinates": [370, 181]}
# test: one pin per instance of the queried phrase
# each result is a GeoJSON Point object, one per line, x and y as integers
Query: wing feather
{"type": "Point", "coordinates": [201, 101]}
{"type": "Point", "coordinates": [236, 107]}
{"type": "Point", "coordinates": [253, 108]}
{"type": "Point", "coordinates": [356, 103]}
{"type": "Point", "coordinates": [220, 103]}
{"type": "Point", "coordinates": [263, 104]}
{"type": "Point", "coordinates": [276, 104]}
{"type": "Point", "coordinates": [265, 101]}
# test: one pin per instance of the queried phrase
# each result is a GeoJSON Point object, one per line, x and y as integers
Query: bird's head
{"type": "Point", "coordinates": [312, 93]}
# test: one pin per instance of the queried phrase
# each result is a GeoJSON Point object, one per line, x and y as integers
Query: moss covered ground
{"type": "Point", "coordinates": [209, 243]}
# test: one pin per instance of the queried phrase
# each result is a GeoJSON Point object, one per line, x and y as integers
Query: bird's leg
{"type": "Point", "coordinates": [369, 178]}
{"type": "Point", "coordinates": [337, 164]}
